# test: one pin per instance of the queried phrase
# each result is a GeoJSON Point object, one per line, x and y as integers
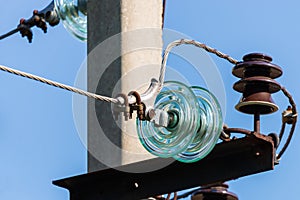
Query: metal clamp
{"type": "Point", "coordinates": [122, 107]}
{"type": "Point", "coordinates": [288, 116]}
{"type": "Point", "coordinates": [138, 106]}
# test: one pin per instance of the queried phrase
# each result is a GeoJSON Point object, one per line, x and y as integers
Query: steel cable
{"type": "Point", "coordinates": [9, 33]}
{"type": "Point", "coordinates": [58, 85]}
{"type": "Point", "coordinates": [294, 122]}
{"type": "Point", "coordinates": [190, 42]}
{"type": "Point", "coordinates": [109, 99]}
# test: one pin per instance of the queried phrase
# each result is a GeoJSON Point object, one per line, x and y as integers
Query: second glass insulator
{"type": "Point", "coordinates": [211, 123]}
{"type": "Point", "coordinates": [73, 14]}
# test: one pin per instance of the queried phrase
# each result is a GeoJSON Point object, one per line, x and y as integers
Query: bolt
{"type": "Point", "coordinates": [151, 113]}
{"type": "Point", "coordinates": [22, 21]}
{"type": "Point", "coordinates": [173, 119]}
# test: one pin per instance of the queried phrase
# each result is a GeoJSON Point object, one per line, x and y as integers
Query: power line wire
{"type": "Point", "coordinates": [58, 85]}
{"type": "Point", "coordinates": [9, 33]}
{"type": "Point", "coordinates": [196, 44]}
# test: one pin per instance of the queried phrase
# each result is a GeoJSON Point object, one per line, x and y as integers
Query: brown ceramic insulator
{"type": "Point", "coordinates": [260, 102]}
{"type": "Point", "coordinates": [257, 84]}
{"type": "Point", "coordinates": [218, 192]}
{"type": "Point", "coordinates": [256, 64]}
{"type": "Point", "coordinates": [257, 56]}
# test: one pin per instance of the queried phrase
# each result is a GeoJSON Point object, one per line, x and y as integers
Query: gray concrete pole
{"type": "Point", "coordinates": [119, 63]}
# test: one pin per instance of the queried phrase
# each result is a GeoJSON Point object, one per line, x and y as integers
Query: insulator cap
{"type": "Point", "coordinates": [256, 64]}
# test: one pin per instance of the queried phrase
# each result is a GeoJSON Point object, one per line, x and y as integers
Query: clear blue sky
{"type": "Point", "coordinates": [38, 139]}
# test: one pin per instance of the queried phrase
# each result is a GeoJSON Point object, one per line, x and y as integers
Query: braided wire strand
{"type": "Point", "coordinates": [189, 42]}
{"type": "Point", "coordinates": [291, 100]}
{"type": "Point", "coordinates": [58, 85]}
{"type": "Point", "coordinates": [288, 141]}
{"type": "Point", "coordinates": [282, 130]}
{"type": "Point", "coordinates": [292, 130]}
{"type": "Point", "coordinates": [113, 100]}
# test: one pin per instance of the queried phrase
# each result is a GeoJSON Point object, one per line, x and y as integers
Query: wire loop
{"type": "Point", "coordinates": [289, 116]}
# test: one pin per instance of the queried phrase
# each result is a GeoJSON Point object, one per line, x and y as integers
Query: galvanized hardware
{"type": "Point", "coordinates": [25, 30]}
{"type": "Point", "coordinates": [39, 19]}
{"type": "Point", "coordinates": [288, 116]}
{"type": "Point", "coordinates": [148, 97]}
{"type": "Point", "coordinates": [138, 106]}
{"type": "Point", "coordinates": [159, 117]}
{"type": "Point", "coordinates": [122, 107]}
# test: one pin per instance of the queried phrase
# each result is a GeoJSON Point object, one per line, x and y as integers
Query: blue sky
{"type": "Point", "coordinates": [38, 139]}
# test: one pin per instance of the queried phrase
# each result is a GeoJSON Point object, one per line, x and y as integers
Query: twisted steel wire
{"type": "Point", "coordinates": [58, 85]}
{"type": "Point", "coordinates": [282, 130]}
{"type": "Point", "coordinates": [292, 130]}
{"type": "Point", "coordinates": [113, 100]}
{"type": "Point", "coordinates": [291, 100]}
{"type": "Point", "coordinates": [190, 42]}
{"type": "Point", "coordinates": [287, 143]}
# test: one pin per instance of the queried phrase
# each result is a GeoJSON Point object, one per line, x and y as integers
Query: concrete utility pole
{"type": "Point", "coordinates": [119, 63]}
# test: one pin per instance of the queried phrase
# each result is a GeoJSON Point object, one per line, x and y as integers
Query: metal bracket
{"type": "Point", "coordinates": [288, 116]}
{"type": "Point", "coordinates": [122, 107]}
{"type": "Point", "coordinates": [227, 161]}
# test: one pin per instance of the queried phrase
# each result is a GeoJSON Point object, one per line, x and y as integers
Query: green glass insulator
{"type": "Point", "coordinates": [73, 14]}
{"type": "Point", "coordinates": [211, 123]}
{"type": "Point", "coordinates": [181, 104]}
